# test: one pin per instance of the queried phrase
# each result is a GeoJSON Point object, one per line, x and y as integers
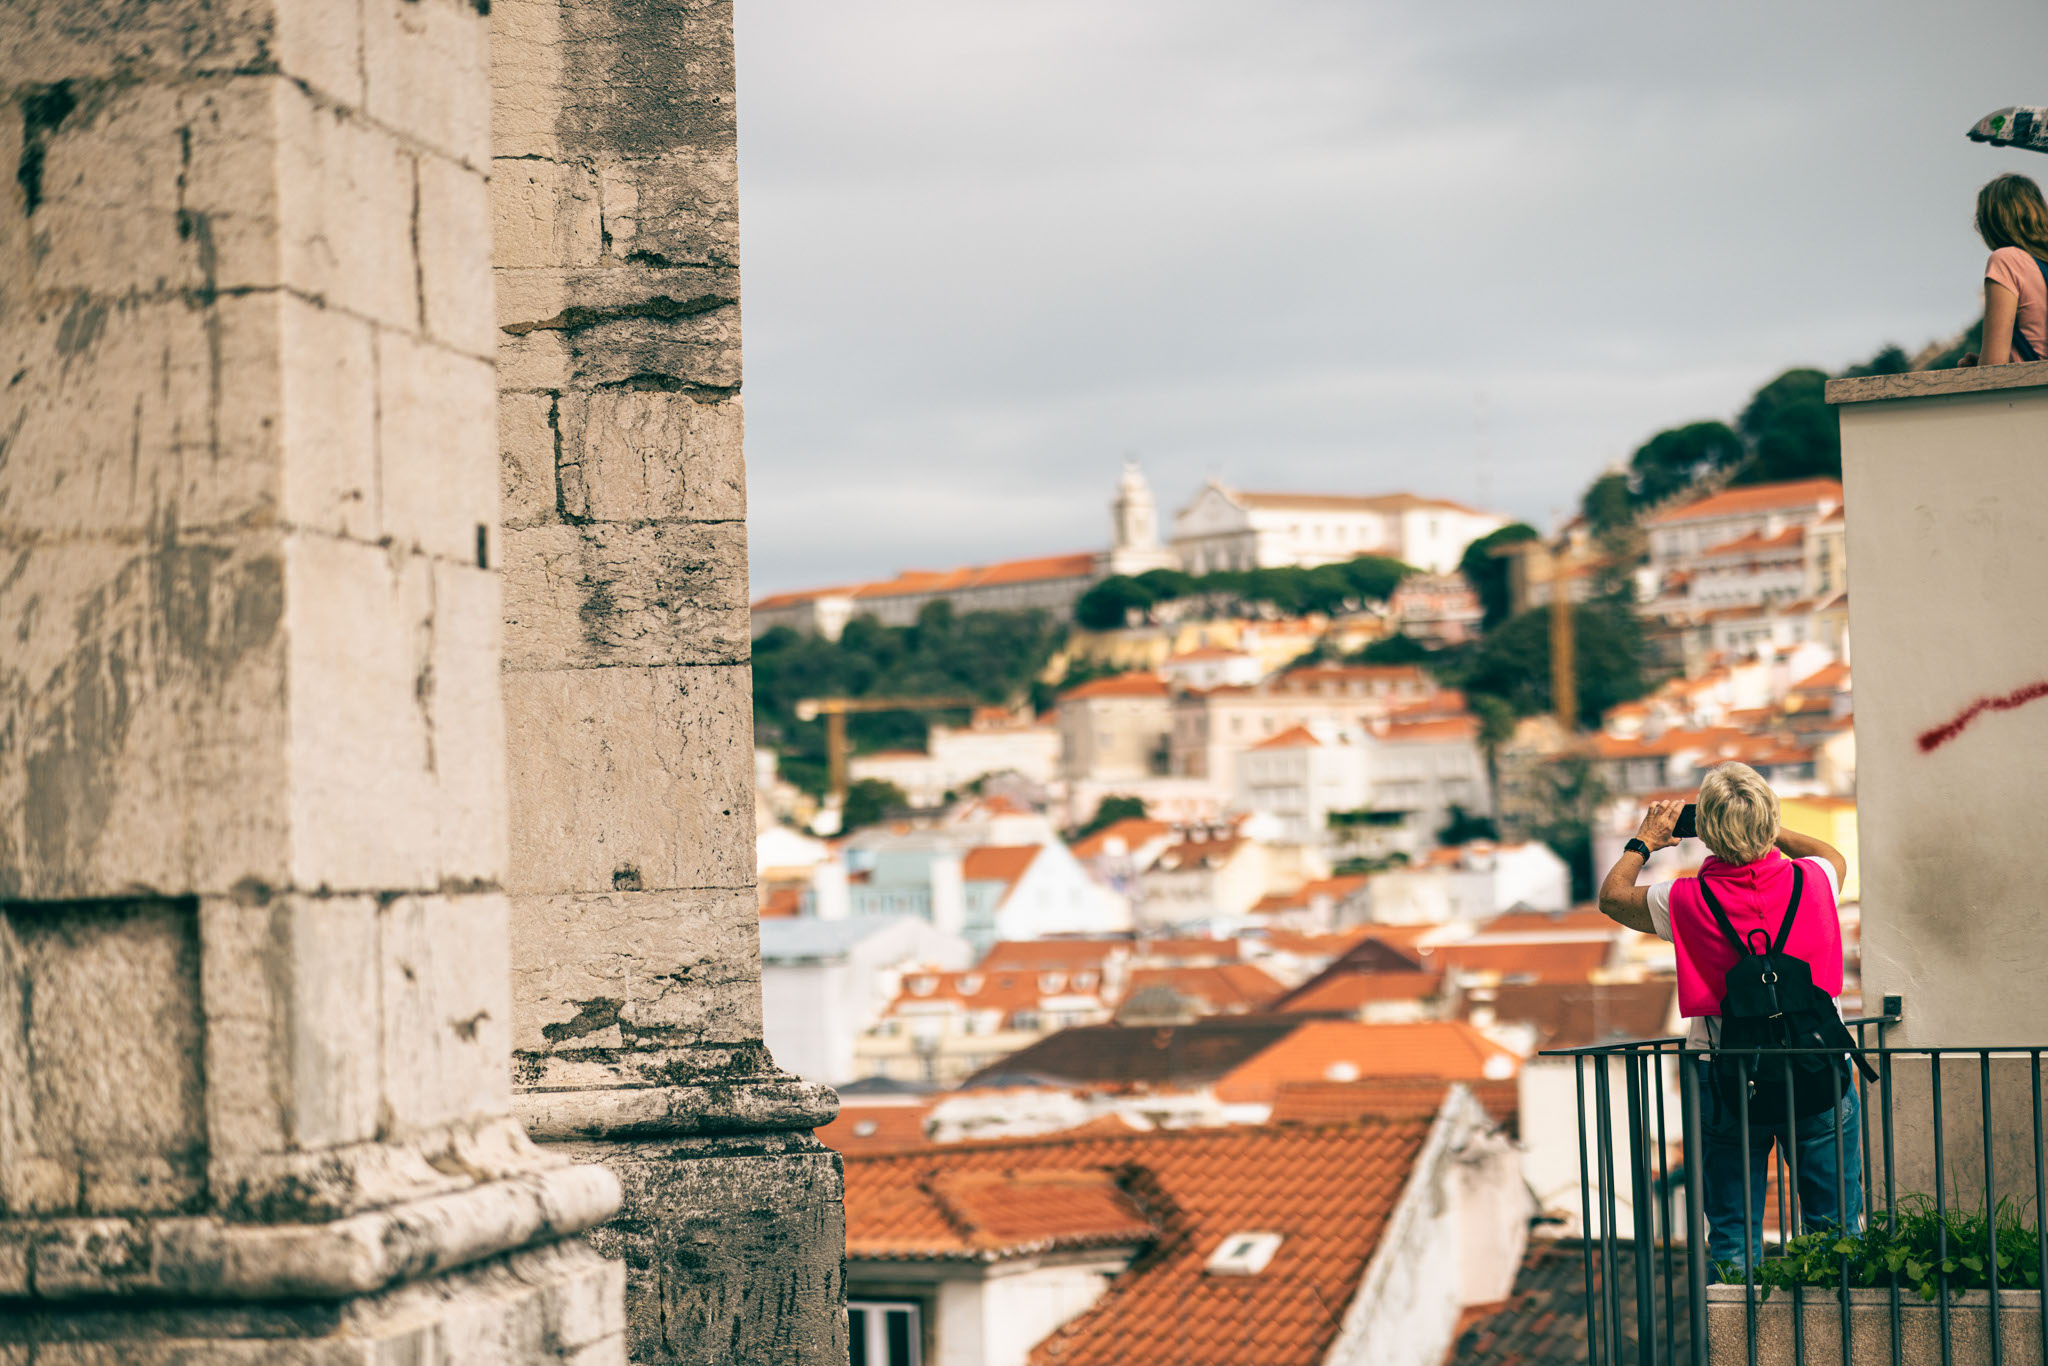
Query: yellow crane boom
{"type": "Point", "coordinates": [835, 710]}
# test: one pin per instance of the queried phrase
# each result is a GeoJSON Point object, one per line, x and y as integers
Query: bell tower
{"type": "Point", "coordinates": [1135, 515]}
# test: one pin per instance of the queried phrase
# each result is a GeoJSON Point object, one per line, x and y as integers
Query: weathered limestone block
{"type": "Point", "coordinates": [632, 970]}
{"type": "Point", "coordinates": [631, 776]}
{"type": "Point", "coordinates": [545, 214]}
{"type": "Point", "coordinates": [630, 455]}
{"type": "Point", "coordinates": [421, 60]}
{"type": "Point", "coordinates": [609, 594]}
{"type": "Point", "coordinates": [144, 687]}
{"type": "Point", "coordinates": [438, 452]}
{"type": "Point", "coordinates": [454, 214]}
{"type": "Point", "coordinates": [681, 209]}
{"type": "Point", "coordinates": [734, 1257]}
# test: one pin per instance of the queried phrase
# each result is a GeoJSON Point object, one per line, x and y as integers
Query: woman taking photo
{"type": "Point", "coordinates": [2013, 221]}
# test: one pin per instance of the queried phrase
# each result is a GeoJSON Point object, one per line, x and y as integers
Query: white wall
{"type": "Point", "coordinates": [1948, 541]}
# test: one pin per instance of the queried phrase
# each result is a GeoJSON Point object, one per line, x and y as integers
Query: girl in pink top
{"type": "Point", "coordinates": [1751, 874]}
{"type": "Point", "coordinates": [2013, 221]}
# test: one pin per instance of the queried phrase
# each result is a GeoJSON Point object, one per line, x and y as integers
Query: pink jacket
{"type": "Point", "coordinates": [1754, 895]}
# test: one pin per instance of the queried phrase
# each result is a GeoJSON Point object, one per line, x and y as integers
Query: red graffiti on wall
{"type": "Point", "coordinates": [2018, 697]}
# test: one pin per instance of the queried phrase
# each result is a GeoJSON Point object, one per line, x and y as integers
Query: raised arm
{"type": "Point", "coordinates": [1792, 844]}
{"type": "Point", "coordinates": [2001, 306]}
{"type": "Point", "coordinates": [1620, 899]}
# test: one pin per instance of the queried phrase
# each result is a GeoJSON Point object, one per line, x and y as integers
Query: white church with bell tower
{"type": "Point", "coordinates": [1135, 517]}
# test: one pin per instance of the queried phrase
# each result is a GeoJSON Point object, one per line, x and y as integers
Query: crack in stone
{"type": "Point", "coordinates": [660, 308]}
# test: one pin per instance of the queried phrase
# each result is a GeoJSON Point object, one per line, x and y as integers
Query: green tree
{"type": "Point", "coordinates": [1375, 577]}
{"type": "Point", "coordinates": [1570, 793]}
{"type": "Point", "coordinates": [1393, 649]}
{"type": "Point", "coordinates": [1890, 361]}
{"type": "Point", "coordinates": [1464, 827]}
{"type": "Point", "coordinates": [1791, 431]}
{"type": "Point", "coordinates": [1606, 506]}
{"type": "Point", "coordinates": [1109, 811]}
{"type": "Point", "coordinates": [1672, 460]}
{"type": "Point", "coordinates": [869, 801]}
{"type": "Point", "coordinates": [1487, 572]}
{"type": "Point", "coordinates": [1108, 605]}
{"type": "Point", "coordinates": [1166, 584]}
{"type": "Point", "coordinates": [1513, 662]}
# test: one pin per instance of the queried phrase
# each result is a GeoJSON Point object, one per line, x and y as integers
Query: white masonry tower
{"type": "Point", "coordinates": [1136, 547]}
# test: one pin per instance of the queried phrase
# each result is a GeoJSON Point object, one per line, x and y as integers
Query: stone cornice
{"type": "Point", "coordinates": [755, 1104]}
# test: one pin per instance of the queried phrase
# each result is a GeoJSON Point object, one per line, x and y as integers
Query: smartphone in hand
{"type": "Point", "coordinates": [1688, 822]}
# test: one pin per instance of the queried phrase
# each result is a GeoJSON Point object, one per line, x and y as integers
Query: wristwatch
{"type": "Point", "coordinates": [1639, 847]}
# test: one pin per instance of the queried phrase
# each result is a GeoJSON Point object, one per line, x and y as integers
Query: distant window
{"type": "Point", "coordinates": [883, 1333]}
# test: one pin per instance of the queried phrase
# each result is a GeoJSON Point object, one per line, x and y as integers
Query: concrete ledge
{"type": "Point", "coordinates": [210, 1258]}
{"type": "Point", "coordinates": [745, 1105]}
{"type": "Point", "coordinates": [1929, 383]}
{"type": "Point", "coordinates": [1869, 1324]}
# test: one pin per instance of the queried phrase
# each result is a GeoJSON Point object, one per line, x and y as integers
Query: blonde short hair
{"type": "Point", "coordinates": [1738, 817]}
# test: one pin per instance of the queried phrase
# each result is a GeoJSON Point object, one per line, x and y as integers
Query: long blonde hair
{"type": "Point", "coordinates": [2011, 213]}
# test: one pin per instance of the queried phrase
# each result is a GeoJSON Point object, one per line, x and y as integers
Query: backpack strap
{"type": "Point", "coordinates": [2021, 347]}
{"type": "Point", "coordinates": [1721, 916]}
{"type": "Point", "coordinates": [1792, 908]}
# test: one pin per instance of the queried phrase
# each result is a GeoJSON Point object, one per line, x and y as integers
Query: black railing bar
{"type": "Point", "coordinates": [1790, 1221]}
{"type": "Point", "coordinates": [1639, 1210]}
{"type": "Point", "coordinates": [1877, 1051]}
{"type": "Point", "coordinates": [1610, 1290]}
{"type": "Point", "coordinates": [1842, 1212]}
{"type": "Point", "coordinates": [1940, 1213]}
{"type": "Point", "coordinates": [1586, 1221]}
{"type": "Point", "coordinates": [1751, 1235]}
{"type": "Point", "coordinates": [1891, 1194]}
{"type": "Point", "coordinates": [1619, 1044]}
{"type": "Point", "coordinates": [1664, 1212]}
{"type": "Point", "coordinates": [1990, 1209]}
{"type": "Point", "coordinates": [1863, 1131]}
{"type": "Point", "coordinates": [2040, 1211]}
{"type": "Point", "coordinates": [1696, 1214]}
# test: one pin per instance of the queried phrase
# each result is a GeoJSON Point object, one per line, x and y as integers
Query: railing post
{"type": "Point", "coordinates": [1695, 1207]}
{"type": "Point", "coordinates": [1639, 1195]}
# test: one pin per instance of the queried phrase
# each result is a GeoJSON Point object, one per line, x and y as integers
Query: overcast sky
{"type": "Point", "coordinates": [1477, 250]}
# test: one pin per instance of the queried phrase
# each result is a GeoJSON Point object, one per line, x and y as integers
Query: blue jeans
{"type": "Point", "coordinates": [1812, 1150]}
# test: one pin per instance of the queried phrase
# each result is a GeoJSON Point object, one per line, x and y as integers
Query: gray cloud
{"type": "Point", "coordinates": [1480, 251]}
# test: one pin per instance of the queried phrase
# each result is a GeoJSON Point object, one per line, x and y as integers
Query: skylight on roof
{"type": "Point", "coordinates": [1243, 1254]}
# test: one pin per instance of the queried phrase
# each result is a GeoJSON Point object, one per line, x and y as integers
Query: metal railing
{"type": "Point", "coordinates": [1648, 1275]}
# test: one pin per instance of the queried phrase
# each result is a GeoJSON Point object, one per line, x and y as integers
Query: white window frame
{"type": "Point", "coordinates": [874, 1324]}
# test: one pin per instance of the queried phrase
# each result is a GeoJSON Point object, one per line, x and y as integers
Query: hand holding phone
{"type": "Point", "coordinates": [1688, 822]}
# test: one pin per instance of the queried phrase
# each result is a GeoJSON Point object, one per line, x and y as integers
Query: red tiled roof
{"type": "Point", "coordinates": [1306, 895]}
{"type": "Point", "coordinates": [782, 903]}
{"type": "Point", "coordinates": [1343, 1050]}
{"type": "Point", "coordinates": [1134, 831]}
{"type": "Point", "coordinates": [1544, 1322]}
{"type": "Point", "coordinates": [1199, 853]}
{"type": "Point", "coordinates": [874, 1128]}
{"type": "Point", "coordinates": [1580, 1014]}
{"type": "Point", "coordinates": [1756, 541]}
{"type": "Point", "coordinates": [1206, 652]}
{"type": "Point", "coordinates": [1347, 502]}
{"type": "Point", "coordinates": [1003, 863]}
{"type": "Point", "coordinates": [1296, 737]}
{"type": "Point", "coordinates": [1539, 922]}
{"type": "Point", "coordinates": [1313, 945]}
{"type": "Point", "coordinates": [1330, 1102]}
{"type": "Point", "coordinates": [1049, 955]}
{"type": "Point", "coordinates": [1754, 498]}
{"type": "Point", "coordinates": [959, 1210]}
{"type": "Point", "coordinates": [1210, 950]}
{"type": "Point", "coordinates": [1326, 1189]}
{"type": "Point", "coordinates": [1350, 991]}
{"type": "Point", "coordinates": [1568, 962]}
{"type": "Point", "coordinates": [1354, 673]}
{"type": "Point", "coordinates": [1005, 992]}
{"type": "Point", "coordinates": [1223, 988]}
{"type": "Point", "coordinates": [1119, 685]}
{"type": "Point", "coordinates": [1446, 728]}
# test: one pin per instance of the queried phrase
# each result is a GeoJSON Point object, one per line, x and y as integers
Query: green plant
{"type": "Point", "coordinates": [1909, 1245]}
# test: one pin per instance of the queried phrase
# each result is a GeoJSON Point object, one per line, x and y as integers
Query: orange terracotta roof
{"type": "Point", "coordinates": [875, 1128]}
{"type": "Point", "coordinates": [1295, 737]}
{"type": "Point", "coordinates": [1418, 732]}
{"type": "Point", "coordinates": [1049, 955]}
{"type": "Point", "coordinates": [782, 903]}
{"type": "Point", "coordinates": [1134, 831]}
{"type": "Point", "coordinates": [1326, 1189]}
{"type": "Point", "coordinates": [1828, 678]}
{"type": "Point", "coordinates": [1037, 569]}
{"type": "Point", "coordinates": [959, 1211]}
{"type": "Point", "coordinates": [1208, 950]}
{"type": "Point", "coordinates": [1119, 685]}
{"type": "Point", "coordinates": [1005, 992]}
{"type": "Point", "coordinates": [1206, 652]}
{"type": "Point", "coordinates": [1756, 542]}
{"type": "Point", "coordinates": [1223, 988]}
{"type": "Point", "coordinates": [1351, 991]}
{"type": "Point", "coordinates": [1578, 919]}
{"type": "Point", "coordinates": [1754, 498]}
{"type": "Point", "coordinates": [1344, 1050]}
{"type": "Point", "coordinates": [1308, 945]}
{"type": "Point", "coordinates": [1353, 673]}
{"type": "Point", "coordinates": [1568, 962]}
{"type": "Point", "coordinates": [1003, 863]}
{"type": "Point", "coordinates": [1329, 1102]}
{"type": "Point", "coordinates": [1306, 895]}
{"type": "Point", "coordinates": [1198, 853]}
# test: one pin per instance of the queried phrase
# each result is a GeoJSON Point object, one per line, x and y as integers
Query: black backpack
{"type": "Point", "coordinates": [1769, 1003]}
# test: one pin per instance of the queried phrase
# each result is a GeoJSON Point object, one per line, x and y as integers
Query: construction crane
{"type": "Point", "coordinates": [835, 710]}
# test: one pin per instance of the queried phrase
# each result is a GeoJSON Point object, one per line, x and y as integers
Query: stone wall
{"type": "Point", "coordinates": [255, 1017]}
{"type": "Point", "coordinates": [635, 959]}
